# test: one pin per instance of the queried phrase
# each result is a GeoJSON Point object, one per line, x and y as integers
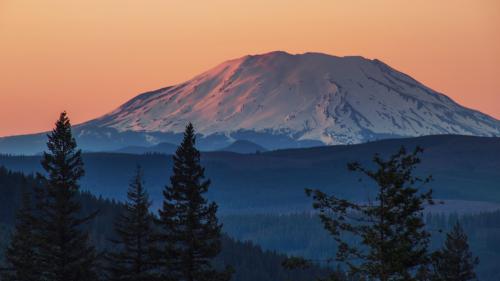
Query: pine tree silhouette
{"type": "Point", "coordinates": [390, 242]}
{"type": "Point", "coordinates": [20, 256]}
{"type": "Point", "coordinates": [64, 252]}
{"type": "Point", "coordinates": [135, 260]}
{"type": "Point", "coordinates": [454, 262]}
{"type": "Point", "coordinates": [189, 226]}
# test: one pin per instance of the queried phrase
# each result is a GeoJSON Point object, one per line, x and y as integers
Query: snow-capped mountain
{"type": "Point", "coordinates": [312, 96]}
{"type": "Point", "coordinates": [279, 100]}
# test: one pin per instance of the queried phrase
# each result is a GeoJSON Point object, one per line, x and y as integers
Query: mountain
{"type": "Point", "coordinates": [279, 100]}
{"type": "Point", "coordinates": [335, 100]}
{"type": "Point", "coordinates": [244, 146]}
{"type": "Point", "coordinates": [163, 147]}
{"type": "Point", "coordinates": [463, 168]}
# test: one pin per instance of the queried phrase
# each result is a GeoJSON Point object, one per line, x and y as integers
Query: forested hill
{"type": "Point", "coordinates": [249, 261]}
{"type": "Point", "coordinates": [463, 167]}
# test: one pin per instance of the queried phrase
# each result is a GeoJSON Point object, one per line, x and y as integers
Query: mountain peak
{"type": "Point", "coordinates": [272, 54]}
{"type": "Point", "coordinates": [310, 96]}
{"type": "Point", "coordinates": [279, 100]}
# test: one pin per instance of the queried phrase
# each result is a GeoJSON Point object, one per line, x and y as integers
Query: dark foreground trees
{"type": "Point", "coordinates": [454, 262]}
{"type": "Point", "coordinates": [20, 255]}
{"type": "Point", "coordinates": [383, 238]}
{"type": "Point", "coordinates": [186, 239]}
{"type": "Point", "coordinates": [49, 243]}
{"type": "Point", "coordinates": [189, 229]}
{"type": "Point", "coordinates": [64, 252]}
{"type": "Point", "coordinates": [135, 259]}
{"type": "Point", "coordinates": [249, 260]}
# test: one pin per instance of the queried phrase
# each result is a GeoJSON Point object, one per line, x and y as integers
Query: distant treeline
{"type": "Point", "coordinates": [303, 235]}
{"type": "Point", "coordinates": [463, 167]}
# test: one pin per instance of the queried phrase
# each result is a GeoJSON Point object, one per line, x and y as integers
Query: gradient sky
{"type": "Point", "coordinates": [88, 57]}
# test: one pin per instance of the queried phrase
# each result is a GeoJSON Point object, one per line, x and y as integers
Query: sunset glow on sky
{"type": "Point", "coordinates": [88, 57]}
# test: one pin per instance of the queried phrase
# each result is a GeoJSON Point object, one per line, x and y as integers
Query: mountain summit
{"type": "Point", "coordinates": [279, 100]}
{"type": "Point", "coordinates": [311, 96]}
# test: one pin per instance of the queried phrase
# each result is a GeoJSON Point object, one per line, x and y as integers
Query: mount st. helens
{"type": "Point", "coordinates": [280, 100]}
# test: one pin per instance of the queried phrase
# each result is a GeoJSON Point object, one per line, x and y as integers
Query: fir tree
{"type": "Point", "coordinates": [135, 260]}
{"type": "Point", "coordinates": [455, 261]}
{"type": "Point", "coordinates": [390, 239]}
{"type": "Point", "coordinates": [21, 253]}
{"type": "Point", "coordinates": [189, 226]}
{"type": "Point", "coordinates": [65, 253]}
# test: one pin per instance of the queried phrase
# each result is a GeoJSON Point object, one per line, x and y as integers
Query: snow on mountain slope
{"type": "Point", "coordinates": [311, 96]}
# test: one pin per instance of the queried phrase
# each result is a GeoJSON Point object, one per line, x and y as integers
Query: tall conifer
{"type": "Point", "coordinates": [135, 259]}
{"type": "Point", "coordinates": [189, 225]}
{"type": "Point", "coordinates": [64, 253]}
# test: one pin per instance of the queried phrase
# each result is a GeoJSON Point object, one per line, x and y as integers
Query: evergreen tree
{"type": "Point", "coordinates": [390, 240]}
{"type": "Point", "coordinates": [135, 260]}
{"type": "Point", "coordinates": [65, 253]}
{"type": "Point", "coordinates": [189, 226]}
{"type": "Point", "coordinates": [21, 253]}
{"type": "Point", "coordinates": [455, 261]}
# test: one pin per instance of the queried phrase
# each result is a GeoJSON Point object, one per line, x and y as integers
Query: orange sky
{"type": "Point", "coordinates": [88, 57]}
